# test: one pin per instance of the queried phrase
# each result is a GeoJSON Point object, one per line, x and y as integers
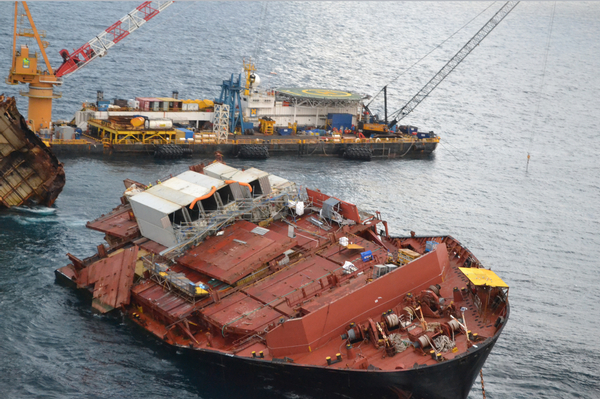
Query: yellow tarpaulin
{"type": "Point", "coordinates": [483, 277]}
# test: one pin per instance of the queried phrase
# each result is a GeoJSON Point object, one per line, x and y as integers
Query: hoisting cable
{"type": "Point", "coordinates": [163, 20]}
{"type": "Point", "coordinates": [541, 90]}
{"type": "Point", "coordinates": [449, 151]}
{"type": "Point", "coordinates": [453, 62]}
{"type": "Point", "coordinates": [160, 23]}
{"type": "Point", "coordinates": [427, 55]}
{"type": "Point", "coordinates": [258, 43]}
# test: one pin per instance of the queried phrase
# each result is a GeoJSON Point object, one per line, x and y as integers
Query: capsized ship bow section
{"type": "Point", "coordinates": [252, 275]}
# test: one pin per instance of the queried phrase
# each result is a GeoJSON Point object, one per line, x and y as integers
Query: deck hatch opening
{"type": "Point", "coordinates": [256, 188]}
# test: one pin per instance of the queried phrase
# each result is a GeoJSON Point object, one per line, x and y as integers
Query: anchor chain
{"type": "Point", "coordinates": [482, 387]}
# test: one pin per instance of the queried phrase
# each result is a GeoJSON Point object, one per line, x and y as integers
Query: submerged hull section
{"type": "Point", "coordinates": [29, 171]}
{"type": "Point", "coordinates": [271, 287]}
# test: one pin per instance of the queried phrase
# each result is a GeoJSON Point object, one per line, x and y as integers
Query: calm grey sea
{"type": "Point", "coordinates": [531, 87]}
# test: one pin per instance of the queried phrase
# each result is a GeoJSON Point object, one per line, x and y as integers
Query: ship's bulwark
{"type": "Point", "coordinates": [235, 377]}
{"type": "Point", "coordinates": [29, 171]}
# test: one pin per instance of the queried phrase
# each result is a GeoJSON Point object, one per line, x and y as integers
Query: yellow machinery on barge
{"type": "Point", "coordinates": [118, 135]}
{"type": "Point", "coordinates": [113, 132]}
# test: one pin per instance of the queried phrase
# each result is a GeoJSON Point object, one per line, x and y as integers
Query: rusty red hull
{"type": "Point", "coordinates": [29, 172]}
{"type": "Point", "coordinates": [256, 378]}
{"type": "Point", "coordinates": [295, 283]}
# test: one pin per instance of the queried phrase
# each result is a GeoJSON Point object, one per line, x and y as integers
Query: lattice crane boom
{"type": "Point", "coordinates": [453, 63]}
{"type": "Point", "coordinates": [98, 46]}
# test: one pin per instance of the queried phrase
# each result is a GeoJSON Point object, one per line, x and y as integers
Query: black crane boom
{"type": "Point", "coordinates": [453, 63]}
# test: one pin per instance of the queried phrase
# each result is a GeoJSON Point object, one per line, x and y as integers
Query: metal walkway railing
{"type": "Point", "coordinates": [254, 210]}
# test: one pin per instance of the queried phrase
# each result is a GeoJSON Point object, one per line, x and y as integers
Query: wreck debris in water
{"type": "Point", "coordinates": [29, 172]}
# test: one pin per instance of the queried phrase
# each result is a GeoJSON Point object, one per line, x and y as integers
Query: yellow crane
{"type": "Point", "coordinates": [27, 68]}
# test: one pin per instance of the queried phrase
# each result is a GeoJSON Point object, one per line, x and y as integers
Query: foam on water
{"type": "Point", "coordinates": [40, 210]}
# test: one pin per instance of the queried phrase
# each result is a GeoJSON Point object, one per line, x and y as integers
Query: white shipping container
{"type": "Point", "coordinates": [155, 233]}
{"type": "Point", "coordinates": [152, 215]}
{"type": "Point", "coordinates": [183, 186]}
{"type": "Point", "coordinates": [167, 193]}
{"type": "Point", "coordinates": [65, 132]}
{"type": "Point", "coordinates": [201, 179]}
{"type": "Point", "coordinates": [226, 172]}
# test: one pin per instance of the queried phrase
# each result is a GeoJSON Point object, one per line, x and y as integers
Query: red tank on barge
{"type": "Point", "coordinates": [257, 278]}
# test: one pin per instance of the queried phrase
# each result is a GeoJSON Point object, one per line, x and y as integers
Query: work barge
{"type": "Point", "coordinates": [115, 137]}
{"type": "Point", "coordinates": [246, 121]}
{"type": "Point", "coordinates": [115, 133]}
{"type": "Point", "coordinates": [242, 105]}
{"type": "Point", "coordinates": [258, 279]}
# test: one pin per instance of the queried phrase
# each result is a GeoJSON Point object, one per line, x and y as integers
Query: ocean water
{"type": "Point", "coordinates": [532, 86]}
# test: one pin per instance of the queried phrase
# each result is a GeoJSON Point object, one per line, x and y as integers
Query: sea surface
{"type": "Point", "coordinates": [531, 87]}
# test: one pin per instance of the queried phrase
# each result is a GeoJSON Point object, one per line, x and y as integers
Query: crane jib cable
{"type": "Point", "coordinates": [429, 53]}
{"type": "Point", "coordinates": [541, 90]}
{"type": "Point", "coordinates": [453, 63]}
{"type": "Point", "coordinates": [259, 40]}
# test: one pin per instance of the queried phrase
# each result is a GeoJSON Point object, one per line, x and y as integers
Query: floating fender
{"type": "Point", "coordinates": [359, 153]}
{"type": "Point", "coordinates": [171, 151]}
{"type": "Point", "coordinates": [253, 151]}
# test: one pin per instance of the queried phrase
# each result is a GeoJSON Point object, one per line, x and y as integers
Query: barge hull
{"type": "Point", "coordinates": [321, 149]}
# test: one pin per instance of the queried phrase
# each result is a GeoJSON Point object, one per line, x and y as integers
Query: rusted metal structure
{"type": "Point", "coordinates": [258, 278]}
{"type": "Point", "coordinates": [29, 172]}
